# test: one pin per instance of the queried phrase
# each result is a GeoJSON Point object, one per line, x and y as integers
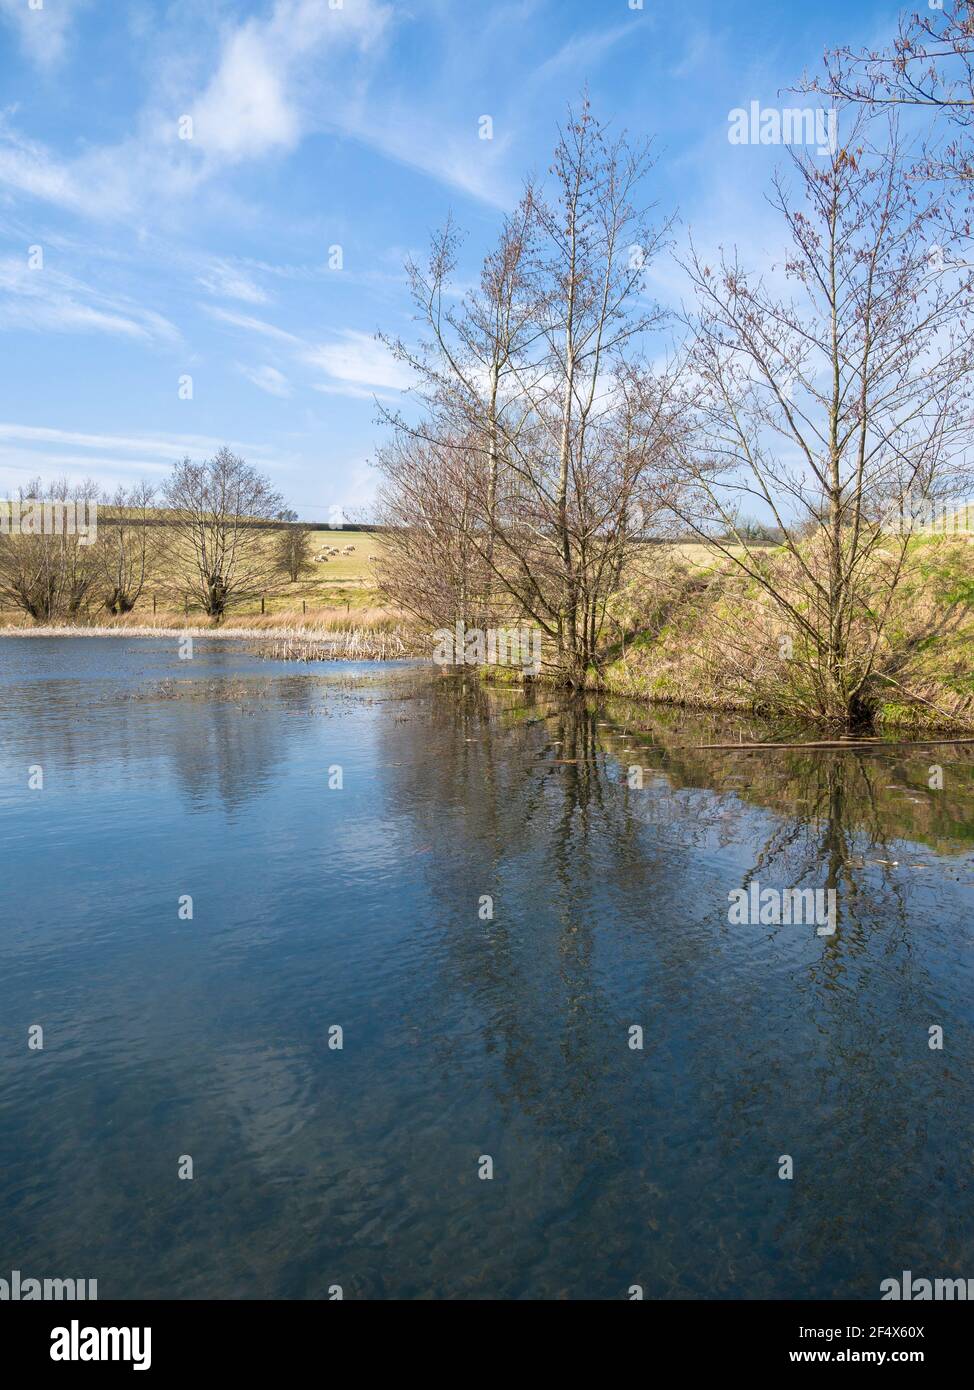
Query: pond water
{"type": "Point", "coordinates": [471, 1030]}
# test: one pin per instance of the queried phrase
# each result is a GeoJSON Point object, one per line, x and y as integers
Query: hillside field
{"type": "Point", "coordinates": [332, 593]}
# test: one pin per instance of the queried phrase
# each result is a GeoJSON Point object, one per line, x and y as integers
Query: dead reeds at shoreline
{"type": "Point", "coordinates": [323, 643]}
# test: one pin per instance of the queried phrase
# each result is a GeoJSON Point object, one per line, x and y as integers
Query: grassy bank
{"type": "Point", "coordinates": [708, 638]}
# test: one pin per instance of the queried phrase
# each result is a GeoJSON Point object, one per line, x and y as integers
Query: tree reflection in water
{"type": "Point", "coordinates": [611, 909]}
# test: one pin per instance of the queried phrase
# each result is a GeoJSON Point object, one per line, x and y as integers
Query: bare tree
{"type": "Point", "coordinates": [48, 567]}
{"type": "Point", "coordinates": [467, 378]}
{"type": "Point", "coordinates": [840, 404]}
{"type": "Point", "coordinates": [536, 376]}
{"type": "Point", "coordinates": [221, 551]}
{"type": "Point", "coordinates": [124, 547]}
{"type": "Point", "coordinates": [429, 505]}
{"type": "Point", "coordinates": [292, 550]}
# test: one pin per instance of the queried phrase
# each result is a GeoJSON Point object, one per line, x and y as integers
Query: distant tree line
{"type": "Point", "coordinates": [201, 539]}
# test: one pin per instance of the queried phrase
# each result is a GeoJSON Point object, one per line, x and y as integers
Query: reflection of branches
{"type": "Point", "coordinates": [214, 734]}
{"type": "Point", "coordinates": [757, 1043]}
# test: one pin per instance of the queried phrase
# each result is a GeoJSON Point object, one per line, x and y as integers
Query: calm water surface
{"type": "Point", "coordinates": [463, 1037]}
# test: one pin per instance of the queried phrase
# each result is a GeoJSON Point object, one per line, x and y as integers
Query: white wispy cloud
{"type": "Point", "coordinates": [584, 51]}
{"type": "Point", "coordinates": [46, 300]}
{"type": "Point", "coordinates": [103, 183]}
{"type": "Point", "coordinates": [249, 324]}
{"type": "Point", "coordinates": [455, 155]}
{"type": "Point", "coordinates": [701, 49]}
{"type": "Point", "coordinates": [354, 363]}
{"type": "Point", "coordinates": [165, 446]}
{"type": "Point", "coordinates": [42, 32]}
{"type": "Point", "coordinates": [357, 364]}
{"type": "Point", "coordinates": [267, 379]}
{"type": "Point", "coordinates": [29, 167]}
{"type": "Point", "coordinates": [245, 112]}
{"type": "Point", "coordinates": [254, 103]}
{"type": "Point", "coordinates": [32, 450]}
{"type": "Point", "coordinates": [227, 281]}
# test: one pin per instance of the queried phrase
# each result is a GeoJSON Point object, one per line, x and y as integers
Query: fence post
{"type": "Point", "coordinates": [262, 603]}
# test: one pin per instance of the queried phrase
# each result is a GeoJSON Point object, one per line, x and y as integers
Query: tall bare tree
{"type": "Point", "coordinates": [221, 551]}
{"type": "Point", "coordinates": [536, 376]}
{"type": "Point", "coordinates": [466, 373]}
{"type": "Point", "coordinates": [840, 400]}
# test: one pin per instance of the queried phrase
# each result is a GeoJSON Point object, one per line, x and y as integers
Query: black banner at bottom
{"type": "Point", "coordinates": [169, 1339]}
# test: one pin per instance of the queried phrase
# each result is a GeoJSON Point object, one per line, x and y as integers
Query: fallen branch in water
{"type": "Point", "coordinates": [832, 743]}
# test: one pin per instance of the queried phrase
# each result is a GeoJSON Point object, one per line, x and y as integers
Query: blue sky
{"type": "Point", "coordinates": [318, 125]}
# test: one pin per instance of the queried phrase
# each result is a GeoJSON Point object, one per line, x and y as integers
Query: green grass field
{"type": "Point", "coordinates": [336, 592]}
{"type": "Point", "coordinates": [338, 582]}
